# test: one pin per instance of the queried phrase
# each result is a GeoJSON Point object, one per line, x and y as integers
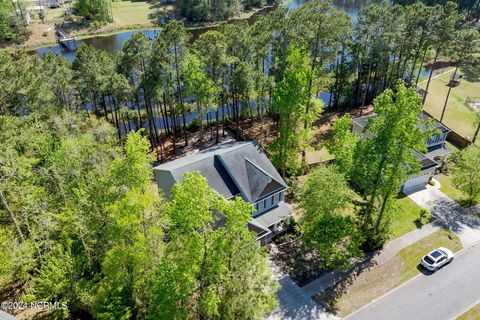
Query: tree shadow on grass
{"type": "Point", "coordinates": [162, 12]}
{"type": "Point", "coordinates": [328, 298]}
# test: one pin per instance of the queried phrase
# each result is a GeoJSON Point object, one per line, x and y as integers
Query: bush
{"type": "Point", "coordinates": [195, 125]}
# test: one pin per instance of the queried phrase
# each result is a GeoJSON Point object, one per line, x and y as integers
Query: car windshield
{"type": "Point", "coordinates": [435, 254]}
{"type": "Point", "coordinates": [442, 252]}
{"type": "Point", "coordinates": [429, 260]}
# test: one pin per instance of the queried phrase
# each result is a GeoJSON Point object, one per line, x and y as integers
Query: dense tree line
{"type": "Point", "coordinates": [76, 199]}
{"type": "Point", "coordinates": [12, 22]}
{"type": "Point", "coordinates": [376, 166]}
{"type": "Point", "coordinates": [208, 10]}
{"type": "Point", "coordinates": [471, 8]}
{"type": "Point", "coordinates": [236, 71]}
{"type": "Point", "coordinates": [98, 11]}
{"type": "Point", "coordinates": [81, 224]}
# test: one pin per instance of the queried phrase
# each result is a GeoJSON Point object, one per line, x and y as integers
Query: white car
{"type": "Point", "coordinates": [437, 259]}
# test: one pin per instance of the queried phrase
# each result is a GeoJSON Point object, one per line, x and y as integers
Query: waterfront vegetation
{"type": "Point", "coordinates": [79, 137]}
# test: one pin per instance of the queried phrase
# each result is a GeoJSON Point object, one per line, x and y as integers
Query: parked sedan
{"type": "Point", "coordinates": [437, 259]}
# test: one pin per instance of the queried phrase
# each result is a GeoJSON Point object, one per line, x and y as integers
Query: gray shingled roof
{"type": "Point", "coordinates": [231, 169]}
{"type": "Point", "coordinates": [425, 161]}
{"type": "Point", "coordinates": [363, 121]}
{"type": "Point", "coordinates": [270, 217]}
{"type": "Point", "coordinates": [437, 124]}
{"type": "Point", "coordinates": [438, 151]}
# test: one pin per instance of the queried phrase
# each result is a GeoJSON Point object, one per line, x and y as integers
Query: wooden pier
{"type": "Point", "coordinates": [63, 38]}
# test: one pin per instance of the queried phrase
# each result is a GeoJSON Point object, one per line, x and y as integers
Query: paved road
{"type": "Point", "coordinates": [448, 213]}
{"type": "Point", "coordinates": [6, 316]}
{"type": "Point", "coordinates": [442, 295]}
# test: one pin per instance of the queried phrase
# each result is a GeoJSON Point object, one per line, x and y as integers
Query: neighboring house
{"type": "Point", "coordinates": [237, 169]}
{"type": "Point", "coordinates": [437, 150]}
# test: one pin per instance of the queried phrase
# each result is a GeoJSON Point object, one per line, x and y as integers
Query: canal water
{"type": "Point", "coordinates": [116, 41]}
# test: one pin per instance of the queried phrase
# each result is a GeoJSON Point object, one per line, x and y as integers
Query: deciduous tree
{"type": "Point", "coordinates": [343, 145]}
{"type": "Point", "coordinates": [211, 269]}
{"type": "Point", "coordinates": [466, 172]}
{"type": "Point", "coordinates": [324, 225]}
{"type": "Point", "coordinates": [386, 157]}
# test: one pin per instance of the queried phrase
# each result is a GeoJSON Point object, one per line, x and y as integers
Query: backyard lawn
{"type": "Point", "coordinates": [472, 314]}
{"type": "Point", "coordinates": [361, 288]}
{"type": "Point", "coordinates": [316, 156]}
{"type": "Point", "coordinates": [127, 13]}
{"type": "Point", "coordinates": [409, 218]}
{"type": "Point", "coordinates": [458, 116]}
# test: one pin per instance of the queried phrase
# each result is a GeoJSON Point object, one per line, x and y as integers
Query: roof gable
{"type": "Point", "coordinates": [232, 169]}
{"type": "Point", "coordinates": [260, 182]}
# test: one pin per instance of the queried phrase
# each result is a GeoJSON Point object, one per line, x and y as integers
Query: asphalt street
{"type": "Point", "coordinates": [6, 316]}
{"type": "Point", "coordinates": [441, 295]}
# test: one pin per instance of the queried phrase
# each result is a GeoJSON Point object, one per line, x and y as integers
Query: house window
{"type": "Point", "coordinates": [260, 206]}
{"type": "Point", "coordinates": [273, 199]}
{"type": "Point", "coordinates": [265, 203]}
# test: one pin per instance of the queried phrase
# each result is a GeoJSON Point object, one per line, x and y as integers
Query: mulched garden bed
{"type": "Point", "coordinates": [293, 258]}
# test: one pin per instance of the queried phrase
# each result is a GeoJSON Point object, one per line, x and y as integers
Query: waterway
{"type": "Point", "coordinates": [115, 41]}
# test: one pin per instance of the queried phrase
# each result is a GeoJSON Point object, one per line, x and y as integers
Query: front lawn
{"type": "Point", "coordinates": [449, 189]}
{"type": "Point", "coordinates": [458, 116]}
{"type": "Point", "coordinates": [372, 282]}
{"type": "Point", "coordinates": [410, 217]}
{"type": "Point", "coordinates": [472, 314]}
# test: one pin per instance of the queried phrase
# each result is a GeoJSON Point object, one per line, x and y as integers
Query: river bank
{"type": "Point", "coordinates": [134, 16]}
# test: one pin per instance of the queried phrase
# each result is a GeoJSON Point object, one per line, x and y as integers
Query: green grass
{"type": "Point", "coordinates": [408, 218]}
{"type": "Point", "coordinates": [472, 314]}
{"type": "Point", "coordinates": [410, 256]}
{"type": "Point", "coordinates": [359, 289]}
{"type": "Point", "coordinates": [448, 188]}
{"type": "Point", "coordinates": [318, 156]}
{"type": "Point", "coordinates": [458, 116]}
{"type": "Point", "coordinates": [132, 12]}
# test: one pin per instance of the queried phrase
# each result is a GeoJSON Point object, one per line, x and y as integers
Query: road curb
{"type": "Point", "coordinates": [467, 309]}
{"type": "Point", "coordinates": [382, 296]}
{"type": "Point", "coordinates": [459, 252]}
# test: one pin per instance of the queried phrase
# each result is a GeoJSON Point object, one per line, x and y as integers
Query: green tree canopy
{"type": "Point", "coordinates": [95, 10]}
{"type": "Point", "coordinates": [466, 172]}
{"type": "Point", "coordinates": [291, 99]}
{"type": "Point", "coordinates": [324, 224]}
{"type": "Point", "coordinates": [343, 144]}
{"type": "Point", "coordinates": [213, 268]}
{"type": "Point", "coordinates": [387, 156]}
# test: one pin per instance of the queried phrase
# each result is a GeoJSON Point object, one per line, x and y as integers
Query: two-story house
{"type": "Point", "coordinates": [437, 150]}
{"type": "Point", "coordinates": [237, 169]}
